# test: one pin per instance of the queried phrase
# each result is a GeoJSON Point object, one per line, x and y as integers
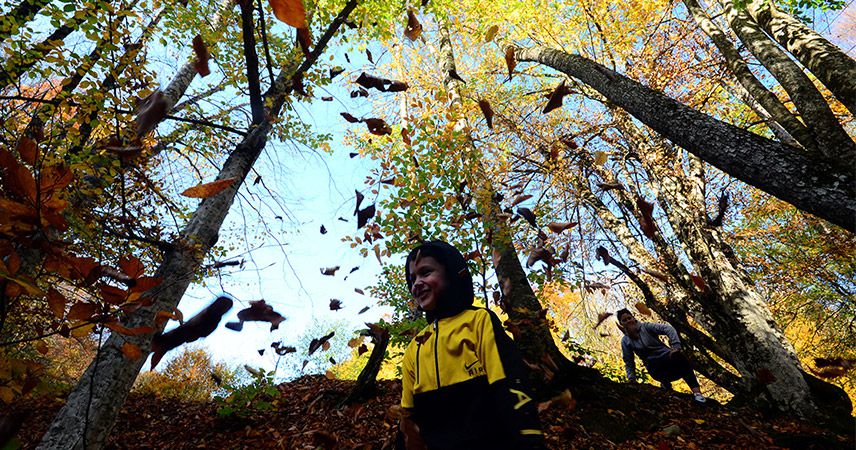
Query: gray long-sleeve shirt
{"type": "Point", "coordinates": [648, 345]}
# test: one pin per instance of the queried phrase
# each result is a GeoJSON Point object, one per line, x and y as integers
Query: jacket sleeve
{"type": "Point", "coordinates": [669, 331]}
{"type": "Point", "coordinates": [407, 377]}
{"type": "Point", "coordinates": [506, 375]}
{"type": "Point", "coordinates": [629, 360]}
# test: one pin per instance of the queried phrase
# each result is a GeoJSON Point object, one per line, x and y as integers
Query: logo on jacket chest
{"type": "Point", "coordinates": [474, 368]}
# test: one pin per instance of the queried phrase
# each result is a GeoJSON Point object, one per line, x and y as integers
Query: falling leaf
{"type": "Point", "coordinates": [491, 33]}
{"type": "Point", "coordinates": [603, 255]}
{"type": "Point", "coordinates": [332, 361]}
{"type": "Point", "coordinates": [558, 227]}
{"type": "Point", "coordinates": [647, 220]}
{"type": "Point", "coordinates": [369, 56]}
{"type": "Point", "coordinates": [364, 215]}
{"type": "Point", "coordinates": [377, 126]}
{"type": "Point", "coordinates": [304, 40]}
{"type": "Point", "coordinates": [305, 362]}
{"type": "Point", "coordinates": [354, 269]}
{"type": "Point", "coordinates": [323, 229]}
{"type": "Point", "coordinates": [207, 190]}
{"type": "Point", "coordinates": [601, 317]}
{"type": "Point", "coordinates": [261, 351]}
{"type": "Point", "coordinates": [382, 84]}
{"type": "Point", "coordinates": [556, 97]}
{"type": "Point", "coordinates": [510, 61]}
{"type": "Point", "coordinates": [355, 342]}
{"type": "Point", "coordinates": [600, 158]}
{"type": "Point", "coordinates": [539, 254]}
{"type": "Point", "coordinates": [365, 308]}
{"type": "Point", "coordinates": [131, 351]}
{"type": "Point", "coordinates": [405, 137]}
{"type": "Point", "coordinates": [56, 303]}
{"type": "Point", "coordinates": [200, 50]}
{"type": "Point", "coordinates": [28, 150]}
{"type": "Point", "coordinates": [487, 112]}
{"type": "Point", "coordinates": [520, 199]}
{"type": "Point", "coordinates": [527, 214]}
{"type": "Point", "coordinates": [335, 304]}
{"type": "Point", "coordinates": [199, 326]}
{"type": "Point", "coordinates": [329, 271]}
{"type": "Point", "coordinates": [327, 99]}
{"type": "Point", "coordinates": [290, 11]}
{"type": "Point", "coordinates": [414, 28]}
{"type": "Point", "coordinates": [359, 93]}
{"type": "Point", "coordinates": [335, 71]}
{"type": "Point", "coordinates": [610, 186]}
{"type": "Point", "coordinates": [259, 311]}
{"type": "Point", "coordinates": [642, 308]}
{"type": "Point", "coordinates": [453, 74]}
{"type": "Point", "coordinates": [350, 118]}
{"type": "Point", "coordinates": [359, 291]}
{"type": "Point", "coordinates": [151, 112]}
{"type": "Point", "coordinates": [318, 343]}
{"type": "Point", "coordinates": [699, 282]}
{"type": "Point", "coordinates": [362, 349]}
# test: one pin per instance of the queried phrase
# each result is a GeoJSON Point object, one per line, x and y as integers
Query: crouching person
{"type": "Point", "coordinates": [462, 377]}
{"type": "Point", "coordinates": [665, 363]}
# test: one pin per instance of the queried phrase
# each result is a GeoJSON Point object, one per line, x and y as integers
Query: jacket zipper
{"type": "Point", "coordinates": [436, 360]}
{"type": "Point", "coordinates": [418, 346]}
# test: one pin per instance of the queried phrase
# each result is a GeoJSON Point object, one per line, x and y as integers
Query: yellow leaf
{"type": "Point", "coordinates": [698, 421]}
{"type": "Point", "coordinates": [643, 309]}
{"type": "Point", "coordinates": [491, 33]}
{"type": "Point", "coordinates": [330, 375]}
{"type": "Point", "coordinates": [83, 331]}
{"type": "Point", "coordinates": [600, 158]}
{"type": "Point", "coordinates": [208, 189]}
{"type": "Point", "coordinates": [290, 11]}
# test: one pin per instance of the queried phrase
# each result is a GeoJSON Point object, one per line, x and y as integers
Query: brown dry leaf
{"type": "Point", "coordinates": [600, 158]}
{"type": "Point", "coordinates": [335, 304]}
{"type": "Point", "coordinates": [319, 342]}
{"type": "Point", "coordinates": [556, 97]}
{"type": "Point", "coordinates": [131, 351]}
{"type": "Point", "coordinates": [362, 349]}
{"type": "Point", "coordinates": [290, 11]}
{"type": "Point", "coordinates": [610, 186]}
{"type": "Point", "coordinates": [28, 150]}
{"type": "Point", "coordinates": [132, 266]}
{"type": "Point", "coordinates": [304, 40]}
{"type": "Point", "coordinates": [600, 318]}
{"type": "Point", "coordinates": [199, 326]}
{"type": "Point", "coordinates": [365, 308]}
{"type": "Point", "coordinates": [355, 342]}
{"type": "Point", "coordinates": [405, 136]}
{"type": "Point", "coordinates": [56, 302]}
{"type": "Point", "coordinates": [472, 255]}
{"type": "Point", "coordinates": [558, 227]}
{"type": "Point", "coordinates": [656, 274]}
{"type": "Point", "coordinates": [491, 33]}
{"type": "Point", "coordinates": [330, 375]}
{"type": "Point", "coordinates": [510, 60]}
{"type": "Point", "coordinates": [520, 199]}
{"type": "Point", "coordinates": [350, 118]}
{"type": "Point", "coordinates": [643, 309]}
{"type": "Point", "coordinates": [364, 215]}
{"type": "Point", "coordinates": [699, 282]}
{"type": "Point", "coordinates": [377, 126]}
{"type": "Point", "coordinates": [487, 111]}
{"type": "Point", "coordinates": [152, 110]}
{"type": "Point", "coordinates": [540, 254]}
{"type": "Point", "coordinates": [200, 50]}
{"type": "Point", "coordinates": [82, 311]}
{"type": "Point", "coordinates": [207, 190]}
{"type": "Point", "coordinates": [359, 291]}
{"type": "Point", "coordinates": [527, 214]}
{"type": "Point", "coordinates": [647, 220]}
{"type": "Point", "coordinates": [414, 28]}
{"type": "Point", "coordinates": [15, 177]}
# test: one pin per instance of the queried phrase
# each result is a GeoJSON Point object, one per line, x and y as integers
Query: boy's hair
{"type": "Point", "coordinates": [460, 293]}
{"type": "Point", "coordinates": [622, 312]}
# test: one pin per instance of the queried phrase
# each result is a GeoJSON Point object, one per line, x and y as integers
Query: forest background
{"type": "Point", "coordinates": [120, 115]}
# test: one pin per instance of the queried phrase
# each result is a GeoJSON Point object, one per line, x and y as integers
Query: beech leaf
{"type": "Point", "coordinates": [413, 29]}
{"type": "Point", "coordinates": [365, 308]}
{"type": "Point", "coordinates": [520, 199]}
{"type": "Point", "coordinates": [600, 158]}
{"type": "Point", "coordinates": [199, 326]}
{"type": "Point", "coordinates": [335, 304]}
{"type": "Point", "coordinates": [290, 11]}
{"type": "Point", "coordinates": [364, 215]}
{"type": "Point", "coordinates": [200, 50]}
{"type": "Point", "coordinates": [642, 308]}
{"type": "Point", "coordinates": [600, 318]}
{"type": "Point", "coordinates": [28, 150]}
{"type": "Point", "coordinates": [556, 97]}
{"type": "Point", "coordinates": [646, 222]}
{"type": "Point", "coordinates": [487, 112]}
{"type": "Point", "coordinates": [510, 61]}
{"type": "Point", "coordinates": [527, 214]}
{"type": "Point", "coordinates": [377, 126]}
{"type": "Point", "coordinates": [56, 302]}
{"type": "Point", "coordinates": [362, 349]}
{"type": "Point", "coordinates": [207, 190]}
{"type": "Point", "coordinates": [491, 33]}
{"type": "Point", "coordinates": [329, 271]}
{"type": "Point", "coordinates": [319, 342]}
{"type": "Point", "coordinates": [558, 227]}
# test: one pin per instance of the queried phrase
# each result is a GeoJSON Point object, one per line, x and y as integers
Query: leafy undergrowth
{"type": "Point", "coordinates": [306, 415]}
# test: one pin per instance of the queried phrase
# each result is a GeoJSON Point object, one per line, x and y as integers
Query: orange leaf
{"type": "Point", "coordinates": [132, 266]}
{"type": "Point", "coordinates": [487, 111]}
{"type": "Point", "coordinates": [304, 39]}
{"type": "Point", "coordinates": [208, 189]}
{"type": "Point", "coordinates": [642, 308]}
{"type": "Point", "coordinates": [56, 302]}
{"type": "Point", "coordinates": [131, 351]}
{"type": "Point", "coordinates": [202, 56]}
{"type": "Point", "coordinates": [699, 282]}
{"type": "Point", "coordinates": [28, 150]}
{"type": "Point", "coordinates": [16, 178]}
{"type": "Point", "coordinates": [145, 283]}
{"type": "Point", "coordinates": [82, 311]}
{"type": "Point", "coordinates": [290, 11]}
{"type": "Point", "coordinates": [414, 28]}
{"type": "Point", "coordinates": [112, 294]}
{"type": "Point", "coordinates": [54, 178]}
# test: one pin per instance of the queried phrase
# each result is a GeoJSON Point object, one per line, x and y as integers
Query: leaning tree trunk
{"type": "Point", "coordinates": [773, 167]}
{"type": "Point", "coordinates": [91, 410]}
{"type": "Point", "coordinates": [366, 384]}
{"type": "Point", "coordinates": [833, 68]}
{"type": "Point", "coordinates": [519, 302]}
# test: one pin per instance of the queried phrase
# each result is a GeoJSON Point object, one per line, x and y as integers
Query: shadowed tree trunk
{"type": "Point", "coordinates": [366, 384]}
{"type": "Point", "coordinates": [91, 410]}
{"type": "Point", "coordinates": [819, 188]}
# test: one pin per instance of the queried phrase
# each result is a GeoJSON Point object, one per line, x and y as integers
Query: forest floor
{"type": "Point", "coordinates": [307, 416]}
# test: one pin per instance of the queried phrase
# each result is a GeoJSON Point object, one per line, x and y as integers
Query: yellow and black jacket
{"type": "Point", "coordinates": [462, 379]}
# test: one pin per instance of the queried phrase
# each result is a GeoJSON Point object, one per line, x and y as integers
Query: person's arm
{"type": "Point", "coordinates": [629, 360]}
{"type": "Point", "coordinates": [506, 375]}
{"type": "Point", "coordinates": [669, 331]}
{"type": "Point", "coordinates": [408, 437]}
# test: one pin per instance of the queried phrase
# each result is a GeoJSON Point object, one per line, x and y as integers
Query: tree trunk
{"type": "Point", "coordinates": [23, 13]}
{"type": "Point", "coordinates": [833, 143]}
{"type": "Point", "coordinates": [91, 410]}
{"type": "Point", "coordinates": [827, 62]}
{"type": "Point", "coordinates": [518, 299]}
{"type": "Point", "coordinates": [775, 168]}
{"type": "Point", "coordinates": [366, 384]}
{"type": "Point", "coordinates": [752, 85]}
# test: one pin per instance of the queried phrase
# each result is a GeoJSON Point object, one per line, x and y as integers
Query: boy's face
{"type": "Point", "coordinates": [629, 323]}
{"type": "Point", "coordinates": [429, 282]}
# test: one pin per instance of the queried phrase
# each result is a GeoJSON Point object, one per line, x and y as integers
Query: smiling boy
{"type": "Point", "coordinates": [462, 376]}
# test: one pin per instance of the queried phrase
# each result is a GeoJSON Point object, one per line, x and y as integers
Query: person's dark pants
{"type": "Point", "coordinates": [671, 367]}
